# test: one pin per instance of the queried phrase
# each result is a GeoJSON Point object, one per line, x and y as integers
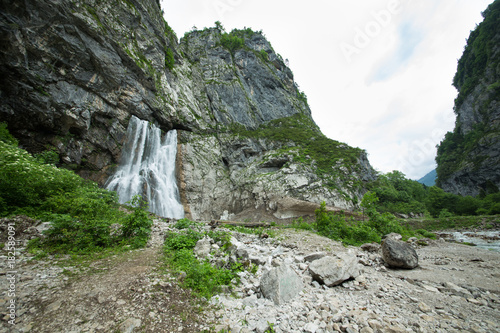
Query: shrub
{"type": "Point", "coordinates": [231, 42]}
{"type": "Point", "coordinates": [426, 233]}
{"type": "Point", "coordinates": [69, 234]}
{"type": "Point", "coordinates": [338, 227]}
{"type": "Point", "coordinates": [201, 277]}
{"type": "Point", "coordinates": [169, 59]}
{"type": "Point", "coordinates": [444, 213]}
{"type": "Point", "coordinates": [5, 136]}
{"type": "Point", "coordinates": [28, 182]}
{"type": "Point", "coordinates": [81, 213]}
{"type": "Point", "coordinates": [137, 226]}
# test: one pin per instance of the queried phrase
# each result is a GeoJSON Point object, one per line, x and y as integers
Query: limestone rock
{"type": "Point", "coordinates": [314, 256]}
{"type": "Point", "coordinates": [202, 248]}
{"type": "Point", "coordinates": [370, 247]}
{"type": "Point", "coordinates": [399, 254]}
{"type": "Point", "coordinates": [280, 284]}
{"type": "Point", "coordinates": [130, 325]}
{"type": "Point", "coordinates": [332, 271]}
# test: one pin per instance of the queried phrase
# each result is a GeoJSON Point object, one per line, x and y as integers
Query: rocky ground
{"type": "Point", "coordinates": [455, 288]}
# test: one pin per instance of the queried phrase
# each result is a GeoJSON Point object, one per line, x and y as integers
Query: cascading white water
{"type": "Point", "coordinates": [147, 167]}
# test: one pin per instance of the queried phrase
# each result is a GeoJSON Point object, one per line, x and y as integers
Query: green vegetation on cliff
{"type": "Point", "coordinates": [479, 54]}
{"type": "Point", "coordinates": [478, 80]}
{"type": "Point", "coordinates": [300, 132]}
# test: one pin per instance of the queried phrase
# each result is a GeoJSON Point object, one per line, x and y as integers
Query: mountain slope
{"type": "Point", "coordinates": [468, 159]}
{"type": "Point", "coordinates": [429, 179]}
{"type": "Point", "coordinates": [76, 71]}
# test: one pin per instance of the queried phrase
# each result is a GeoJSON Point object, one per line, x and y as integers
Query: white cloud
{"type": "Point", "coordinates": [393, 96]}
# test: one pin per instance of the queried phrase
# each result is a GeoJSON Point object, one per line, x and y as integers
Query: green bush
{"type": "Point", "coordinates": [185, 224]}
{"type": "Point", "coordinates": [425, 233]}
{"type": "Point", "coordinates": [5, 135]}
{"type": "Point", "coordinates": [169, 59]}
{"type": "Point", "coordinates": [137, 226]}
{"type": "Point", "coordinates": [28, 182]}
{"type": "Point", "coordinates": [201, 277]}
{"type": "Point", "coordinates": [184, 240]}
{"type": "Point", "coordinates": [444, 213]}
{"type": "Point", "coordinates": [231, 42]}
{"type": "Point", "coordinates": [48, 157]}
{"type": "Point", "coordinates": [348, 231]}
{"type": "Point", "coordinates": [81, 213]}
{"type": "Point", "coordinates": [71, 235]}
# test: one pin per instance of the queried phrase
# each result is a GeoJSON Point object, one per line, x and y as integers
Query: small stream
{"type": "Point", "coordinates": [489, 240]}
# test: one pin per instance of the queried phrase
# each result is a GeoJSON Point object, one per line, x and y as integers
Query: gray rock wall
{"type": "Point", "coordinates": [74, 72]}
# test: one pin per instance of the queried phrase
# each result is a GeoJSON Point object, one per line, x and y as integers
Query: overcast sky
{"type": "Point", "coordinates": [377, 73]}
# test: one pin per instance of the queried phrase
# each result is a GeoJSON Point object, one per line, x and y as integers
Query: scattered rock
{"type": "Point", "coordinates": [314, 256]}
{"type": "Point", "coordinates": [129, 325]}
{"type": "Point", "coordinates": [370, 247]}
{"type": "Point", "coordinates": [202, 248]}
{"type": "Point", "coordinates": [332, 271]}
{"type": "Point", "coordinates": [398, 254]}
{"type": "Point", "coordinates": [280, 284]}
{"type": "Point", "coordinates": [393, 235]}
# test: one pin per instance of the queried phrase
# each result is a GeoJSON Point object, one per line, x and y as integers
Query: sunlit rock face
{"type": "Point", "coordinates": [74, 74]}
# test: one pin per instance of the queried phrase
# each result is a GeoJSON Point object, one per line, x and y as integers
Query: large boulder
{"type": "Point", "coordinates": [332, 271]}
{"type": "Point", "coordinates": [202, 248]}
{"type": "Point", "coordinates": [280, 284]}
{"type": "Point", "coordinates": [398, 254]}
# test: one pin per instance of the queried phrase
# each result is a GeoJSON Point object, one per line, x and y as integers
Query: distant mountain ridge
{"type": "Point", "coordinates": [429, 179]}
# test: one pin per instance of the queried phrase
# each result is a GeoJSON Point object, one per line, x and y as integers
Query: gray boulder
{"type": "Point", "coordinates": [280, 284]}
{"type": "Point", "coordinates": [399, 254]}
{"type": "Point", "coordinates": [332, 271]}
{"type": "Point", "coordinates": [314, 256]}
{"type": "Point", "coordinates": [202, 248]}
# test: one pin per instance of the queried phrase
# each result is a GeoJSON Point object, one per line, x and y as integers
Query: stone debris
{"type": "Point", "coordinates": [279, 293]}
{"type": "Point", "coordinates": [332, 271]}
{"type": "Point", "coordinates": [399, 254]}
{"type": "Point", "coordinates": [280, 284]}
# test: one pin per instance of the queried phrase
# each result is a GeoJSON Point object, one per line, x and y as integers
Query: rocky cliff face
{"type": "Point", "coordinates": [469, 158]}
{"type": "Point", "coordinates": [75, 71]}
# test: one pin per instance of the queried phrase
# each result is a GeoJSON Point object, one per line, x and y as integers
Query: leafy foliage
{"type": "Point", "coordinates": [478, 53]}
{"type": "Point", "coordinates": [5, 136]}
{"type": "Point", "coordinates": [137, 226]}
{"type": "Point", "coordinates": [479, 64]}
{"type": "Point", "coordinates": [81, 213]}
{"type": "Point", "coordinates": [303, 134]}
{"type": "Point", "coordinates": [353, 232]}
{"type": "Point", "coordinates": [397, 194]}
{"type": "Point", "coordinates": [201, 277]}
{"type": "Point", "coordinates": [231, 42]}
{"type": "Point", "coordinates": [169, 59]}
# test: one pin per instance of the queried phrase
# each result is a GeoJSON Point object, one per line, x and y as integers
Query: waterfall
{"type": "Point", "coordinates": [147, 167]}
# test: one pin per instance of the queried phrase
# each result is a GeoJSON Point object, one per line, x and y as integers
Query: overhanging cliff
{"type": "Point", "coordinates": [74, 72]}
